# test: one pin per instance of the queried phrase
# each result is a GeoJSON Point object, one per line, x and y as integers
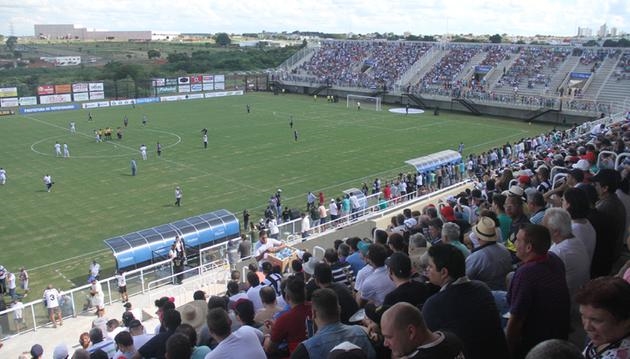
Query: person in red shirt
{"type": "Point", "coordinates": [290, 327]}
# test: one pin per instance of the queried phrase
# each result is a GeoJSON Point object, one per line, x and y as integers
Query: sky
{"type": "Point", "coordinates": [419, 17]}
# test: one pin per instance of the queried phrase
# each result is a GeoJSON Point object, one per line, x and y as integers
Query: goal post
{"type": "Point", "coordinates": [366, 102]}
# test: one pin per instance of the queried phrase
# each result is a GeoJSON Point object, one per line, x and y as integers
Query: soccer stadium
{"type": "Point", "coordinates": [348, 153]}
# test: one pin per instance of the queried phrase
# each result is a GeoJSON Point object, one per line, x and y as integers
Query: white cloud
{"type": "Point", "coordinates": [514, 17]}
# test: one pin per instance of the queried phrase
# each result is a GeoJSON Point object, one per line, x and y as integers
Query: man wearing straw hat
{"type": "Point", "coordinates": [489, 262]}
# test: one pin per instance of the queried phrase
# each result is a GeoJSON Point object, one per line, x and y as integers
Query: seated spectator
{"type": "Point", "coordinates": [555, 348]}
{"type": "Point", "coordinates": [290, 327]}
{"type": "Point", "coordinates": [234, 292]}
{"type": "Point", "coordinates": [253, 293]}
{"type": "Point", "coordinates": [156, 346]}
{"type": "Point", "coordinates": [324, 279]}
{"type": "Point", "coordinates": [330, 331]}
{"type": "Point", "coordinates": [364, 272]}
{"type": "Point", "coordinates": [270, 305]}
{"type": "Point", "coordinates": [272, 278]}
{"type": "Point", "coordinates": [245, 313]}
{"type": "Point", "coordinates": [490, 261]}
{"type": "Point", "coordinates": [605, 308]}
{"type": "Point", "coordinates": [575, 201]}
{"type": "Point", "coordinates": [137, 333]}
{"type": "Point", "coordinates": [178, 347]}
{"type": "Point", "coordinates": [536, 207]}
{"type": "Point", "coordinates": [450, 235]}
{"type": "Point", "coordinates": [198, 352]}
{"type": "Point", "coordinates": [124, 345]}
{"type": "Point", "coordinates": [99, 342]}
{"type": "Point", "coordinates": [406, 334]}
{"type": "Point", "coordinates": [246, 341]}
{"type": "Point", "coordinates": [342, 272]}
{"type": "Point", "coordinates": [407, 290]}
{"type": "Point", "coordinates": [377, 284]}
{"type": "Point", "coordinates": [396, 243]}
{"type": "Point", "coordinates": [113, 328]}
{"type": "Point", "coordinates": [474, 320]}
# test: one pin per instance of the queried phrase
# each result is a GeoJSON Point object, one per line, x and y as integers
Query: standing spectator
{"type": "Point", "coordinates": [245, 246]}
{"type": "Point", "coordinates": [24, 281]}
{"type": "Point", "coordinates": [245, 219]}
{"type": "Point", "coordinates": [305, 224]}
{"type": "Point", "coordinates": [178, 196]}
{"type": "Point", "coordinates": [98, 297]}
{"type": "Point", "coordinates": [331, 331]}
{"type": "Point", "coordinates": [538, 295]}
{"type": "Point", "coordinates": [3, 281]}
{"type": "Point", "coordinates": [11, 285]}
{"type": "Point", "coordinates": [48, 182]}
{"type": "Point", "coordinates": [95, 270]}
{"type": "Point", "coordinates": [406, 334]}
{"type": "Point", "coordinates": [122, 285]}
{"type": "Point", "coordinates": [51, 298]}
{"type": "Point", "coordinates": [18, 317]}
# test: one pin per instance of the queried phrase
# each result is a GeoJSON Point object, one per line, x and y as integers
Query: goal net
{"type": "Point", "coordinates": [365, 102]}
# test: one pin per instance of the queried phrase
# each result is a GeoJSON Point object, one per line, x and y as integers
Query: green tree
{"type": "Point", "coordinates": [222, 39]}
{"type": "Point", "coordinates": [153, 54]}
{"type": "Point", "coordinates": [495, 39]}
{"type": "Point", "coordinates": [11, 43]}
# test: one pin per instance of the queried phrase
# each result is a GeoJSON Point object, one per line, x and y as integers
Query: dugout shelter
{"type": "Point", "coordinates": [151, 245]}
{"type": "Point", "coordinates": [435, 160]}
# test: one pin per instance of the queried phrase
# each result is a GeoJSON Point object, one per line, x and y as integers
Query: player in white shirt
{"type": "Point", "coordinates": [73, 128]}
{"type": "Point", "coordinates": [3, 176]}
{"type": "Point", "coordinates": [48, 182]}
{"type": "Point", "coordinates": [66, 151]}
{"type": "Point", "coordinates": [143, 152]}
{"type": "Point", "coordinates": [57, 149]}
{"type": "Point", "coordinates": [51, 298]}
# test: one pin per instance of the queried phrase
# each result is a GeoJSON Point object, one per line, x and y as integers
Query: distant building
{"type": "Point", "coordinates": [70, 32]}
{"type": "Point", "coordinates": [584, 32]}
{"type": "Point", "coordinates": [603, 31]}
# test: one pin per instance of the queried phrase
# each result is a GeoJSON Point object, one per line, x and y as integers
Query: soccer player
{"type": "Point", "coordinates": [73, 128]}
{"type": "Point", "coordinates": [57, 149]}
{"type": "Point", "coordinates": [125, 121]}
{"type": "Point", "coordinates": [144, 120]}
{"type": "Point", "coordinates": [3, 176]}
{"type": "Point", "coordinates": [48, 182]}
{"type": "Point", "coordinates": [90, 118]}
{"type": "Point", "coordinates": [358, 106]}
{"type": "Point", "coordinates": [205, 140]}
{"type": "Point", "coordinates": [159, 149]}
{"type": "Point", "coordinates": [295, 135]}
{"type": "Point", "coordinates": [143, 152]}
{"type": "Point", "coordinates": [247, 107]}
{"type": "Point", "coordinates": [66, 151]}
{"type": "Point", "coordinates": [178, 196]}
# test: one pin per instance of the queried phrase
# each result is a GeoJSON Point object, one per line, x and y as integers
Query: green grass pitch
{"type": "Point", "coordinates": [249, 156]}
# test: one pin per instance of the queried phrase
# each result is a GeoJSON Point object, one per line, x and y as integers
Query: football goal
{"type": "Point", "coordinates": [363, 102]}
